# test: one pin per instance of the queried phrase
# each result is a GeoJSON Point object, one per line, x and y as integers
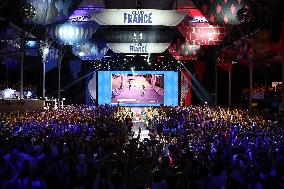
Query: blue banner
{"type": "Point", "coordinates": [51, 60]}
{"type": "Point", "coordinates": [75, 68]}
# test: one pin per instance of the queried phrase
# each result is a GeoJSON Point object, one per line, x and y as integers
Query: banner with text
{"type": "Point", "coordinates": [138, 47]}
{"type": "Point", "coordinates": [152, 17]}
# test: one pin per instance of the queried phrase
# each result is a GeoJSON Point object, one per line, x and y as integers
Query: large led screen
{"type": "Point", "coordinates": [138, 88]}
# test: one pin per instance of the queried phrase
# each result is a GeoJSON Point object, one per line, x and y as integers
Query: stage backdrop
{"type": "Point", "coordinates": [170, 87]}
{"type": "Point", "coordinates": [91, 86]}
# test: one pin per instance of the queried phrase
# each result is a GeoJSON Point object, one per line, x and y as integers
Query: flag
{"type": "Point", "coordinates": [226, 57]}
{"type": "Point", "coordinates": [245, 52]}
{"type": "Point", "coordinates": [186, 88]}
{"type": "Point", "coordinates": [200, 69]}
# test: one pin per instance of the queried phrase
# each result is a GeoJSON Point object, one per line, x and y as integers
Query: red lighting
{"type": "Point", "coordinates": [203, 33]}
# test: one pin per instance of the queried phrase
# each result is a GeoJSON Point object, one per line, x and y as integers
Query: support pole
{"type": "Point", "coordinates": [59, 74]}
{"type": "Point", "coordinates": [266, 107]}
{"type": "Point", "coordinates": [43, 79]}
{"type": "Point", "coordinates": [250, 86]}
{"type": "Point", "coordinates": [281, 107]}
{"type": "Point", "coordinates": [22, 78]}
{"type": "Point", "coordinates": [59, 80]}
{"type": "Point", "coordinates": [216, 84]}
{"type": "Point", "coordinates": [230, 88]}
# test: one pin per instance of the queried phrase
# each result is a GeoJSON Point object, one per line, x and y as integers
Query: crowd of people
{"type": "Point", "coordinates": [197, 147]}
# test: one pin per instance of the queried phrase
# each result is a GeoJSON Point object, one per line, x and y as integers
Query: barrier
{"type": "Point", "coordinates": [14, 105]}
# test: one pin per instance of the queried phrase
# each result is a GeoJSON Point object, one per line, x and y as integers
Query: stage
{"type": "Point", "coordinates": [137, 122]}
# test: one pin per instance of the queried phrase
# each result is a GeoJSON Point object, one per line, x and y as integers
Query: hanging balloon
{"type": "Point", "coordinates": [221, 11]}
{"type": "Point", "coordinates": [203, 33]}
{"type": "Point", "coordinates": [90, 50]}
{"type": "Point", "coordinates": [71, 33]}
{"type": "Point", "coordinates": [51, 11]}
{"type": "Point", "coordinates": [184, 51]}
{"type": "Point", "coordinates": [193, 14]}
{"type": "Point", "coordinates": [244, 15]}
{"type": "Point", "coordinates": [28, 11]}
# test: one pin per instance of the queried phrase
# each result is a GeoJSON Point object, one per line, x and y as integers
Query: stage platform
{"type": "Point", "coordinates": [14, 105]}
{"type": "Point", "coordinates": [137, 123]}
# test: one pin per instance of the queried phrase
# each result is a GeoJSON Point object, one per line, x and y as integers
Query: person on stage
{"type": "Point", "coordinates": [143, 93]}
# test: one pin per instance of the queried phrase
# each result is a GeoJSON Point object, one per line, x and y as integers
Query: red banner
{"type": "Point", "coordinates": [203, 33]}
{"type": "Point", "coordinates": [245, 52]}
{"type": "Point", "coordinates": [185, 95]}
{"type": "Point", "coordinates": [226, 57]}
{"type": "Point", "coordinates": [200, 69]}
{"type": "Point", "coordinates": [226, 66]}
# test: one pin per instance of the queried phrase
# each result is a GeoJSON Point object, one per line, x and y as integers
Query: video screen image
{"type": "Point", "coordinates": [137, 88]}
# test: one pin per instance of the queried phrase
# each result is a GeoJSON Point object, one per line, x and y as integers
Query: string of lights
{"type": "Point", "coordinates": [138, 62]}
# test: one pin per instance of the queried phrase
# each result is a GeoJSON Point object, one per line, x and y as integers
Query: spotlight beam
{"type": "Point", "coordinates": [83, 77]}
{"type": "Point", "coordinates": [148, 59]}
{"type": "Point", "coordinates": [200, 90]}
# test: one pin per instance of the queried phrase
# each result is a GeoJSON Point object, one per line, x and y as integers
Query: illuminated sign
{"type": "Point", "coordinates": [274, 84]}
{"type": "Point", "coordinates": [138, 47]}
{"type": "Point", "coordinates": [137, 17]}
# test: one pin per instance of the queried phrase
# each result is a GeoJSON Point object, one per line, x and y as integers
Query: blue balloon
{"type": "Point", "coordinates": [90, 50]}
{"type": "Point", "coordinates": [71, 33]}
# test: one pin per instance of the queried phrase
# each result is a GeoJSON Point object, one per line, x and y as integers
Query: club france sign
{"type": "Point", "coordinates": [137, 48]}
{"type": "Point", "coordinates": [138, 17]}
